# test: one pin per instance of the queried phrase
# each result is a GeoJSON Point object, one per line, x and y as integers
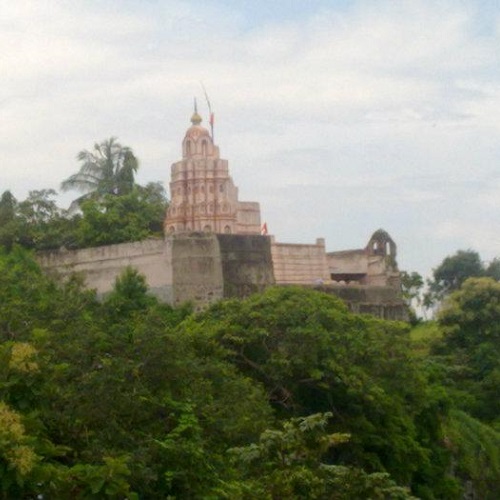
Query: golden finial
{"type": "Point", "coordinates": [196, 118]}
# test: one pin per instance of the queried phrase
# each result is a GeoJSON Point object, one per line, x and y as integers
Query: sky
{"type": "Point", "coordinates": [340, 117]}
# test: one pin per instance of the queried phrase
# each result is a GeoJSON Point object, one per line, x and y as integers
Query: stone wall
{"type": "Point", "coordinates": [348, 262]}
{"type": "Point", "coordinates": [381, 301]}
{"type": "Point", "coordinates": [102, 265]}
{"type": "Point", "coordinates": [203, 268]}
{"type": "Point", "coordinates": [247, 265]}
{"type": "Point", "coordinates": [196, 268]}
{"type": "Point", "coordinates": [248, 217]}
{"type": "Point", "coordinates": [300, 264]}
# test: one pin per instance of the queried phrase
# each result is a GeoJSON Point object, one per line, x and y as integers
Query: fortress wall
{"type": "Point", "coordinates": [102, 265]}
{"type": "Point", "coordinates": [204, 268]}
{"type": "Point", "coordinates": [348, 261]}
{"type": "Point", "coordinates": [247, 265]}
{"type": "Point", "coordinates": [382, 301]}
{"type": "Point", "coordinates": [299, 264]}
{"type": "Point", "coordinates": [197, 267]}
{"type": "Point", "coordinates": [377, 270]}
{"type": "Point", "coordinates": [195, 260]}
{"type": "Point", "coordinates": [248, 218]}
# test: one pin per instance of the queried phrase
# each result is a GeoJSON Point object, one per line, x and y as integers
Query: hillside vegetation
{"type": "Point", "coordinates": [283, 395]}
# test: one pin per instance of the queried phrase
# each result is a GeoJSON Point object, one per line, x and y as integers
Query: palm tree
{"type": "Point", "coordinates": [108, 169]}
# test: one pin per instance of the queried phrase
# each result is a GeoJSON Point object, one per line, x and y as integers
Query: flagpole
{"type": "Point", "coordinates": [211, 114]}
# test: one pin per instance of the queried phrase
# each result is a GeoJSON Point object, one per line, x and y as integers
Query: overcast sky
{"type": "Point", "coordinates": [340, 117]}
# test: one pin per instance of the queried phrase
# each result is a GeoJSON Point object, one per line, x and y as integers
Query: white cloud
{"type": "Point", "coordinates": [381, 114]}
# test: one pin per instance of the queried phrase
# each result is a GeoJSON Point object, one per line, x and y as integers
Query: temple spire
{"type": "Point", "coordinates": [196, 118]}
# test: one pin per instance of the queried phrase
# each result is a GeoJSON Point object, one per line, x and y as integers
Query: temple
{"type": "Point", "coordinates": [203, 194]}
{"type": "Point", "coordinates": [213, 248]}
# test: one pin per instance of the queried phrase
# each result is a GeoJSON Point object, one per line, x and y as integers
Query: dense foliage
{"type": "Point", "coordinates": [38, 223]}
{"type": "Point", "coordinates": [109, 168]}
{"type": "Point", "coordinates": [282, 395]}
{"type": "Point", "coordinates": [285, 394]}
{"type": "Point", "coordinates": [112, 209]}
{"type": "Point", "coordinates": [471, 328]}
{"type": "Point", "coordinates": [454, 270]}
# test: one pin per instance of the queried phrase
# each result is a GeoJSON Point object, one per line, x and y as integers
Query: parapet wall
{"type": "Point", "coordinates": [382, 301]}
{"type": "Point", "coordinates": [203, 268]}
{"type": "Point", "coordinates": [247, 265]}
{"type": "Point", "coordinates": [300, 264]}
{"type": "Point", "coordinates": [348, 261]}
{"type": "Point", "coordinates": [100, 266]}
{"type": "Point", "coordinates": [196, 268]}
{"type": "Point", "coordinates": [248, 218]}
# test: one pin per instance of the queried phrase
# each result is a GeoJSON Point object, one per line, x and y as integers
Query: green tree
{"type": "Point", "coordinates": [9, 231]}
{"type": "Point", "coordinates": [288, 463]}
{"type": "Point", "coordinates": [36, 222]}
{"type": "Point", "coordinates": [493, 269]}
{"type": "Point", "coordinates": [117, 219]}
{"type": "Point", "coordinates": [28, 298]}
{"type": "Point", "coordinates": [312, 355]}
{"type": "Point", "coordinates": [476, 452]}
{"type": "Point", "coordinates": [412, 285]}
{"type": "Point", "coordinates": [108, 169]}
{"type": "Point", "coordinates": [39, 207]}
{"type": "Point", "coordinates": [8, 204]}
{"type": "Point", "coordinates": [451, 273]}
{"type": "Point", "coordinates": [42, 224]}
{"type": "Point", "coordinates": [470, 319]}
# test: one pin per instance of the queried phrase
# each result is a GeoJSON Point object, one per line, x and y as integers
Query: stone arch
{"type": "Point", "coordinates": [227, 229]}
{"type": "Point", "coordinates": [381, 244]}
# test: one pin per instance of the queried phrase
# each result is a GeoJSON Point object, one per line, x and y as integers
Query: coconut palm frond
{"type": "Point", "coordinates": [109, 168]}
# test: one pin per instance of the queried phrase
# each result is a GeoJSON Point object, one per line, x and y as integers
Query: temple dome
{"type": "Point", "coordinates": [196, 130]}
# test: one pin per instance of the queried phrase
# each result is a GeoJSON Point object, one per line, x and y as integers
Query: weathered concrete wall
{"type": "Point", "coordinates": [300, 264]}
{"type": "Point", "coordinates": [102, 265]}
{"type": "Point", "coordinates": [382, 301]}
{"type": "Point", "coordinates": [196, 267]}
{"type": "Point", "coordinates": [247, 265]}
{"type": "Point", "coordinates": [203, 268]}
{"type": "Point", "coordinates": [195, 261]}
{"type": "Point", "coordinates": [348, 261]}
{"type": "Point", "coordinates": [248, 218]}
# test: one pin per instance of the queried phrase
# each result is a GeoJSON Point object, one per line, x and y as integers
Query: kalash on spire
{"type": "Point", "coordinates": [196, 118]}
{"type": "Point", "coordinates": [203, 195]}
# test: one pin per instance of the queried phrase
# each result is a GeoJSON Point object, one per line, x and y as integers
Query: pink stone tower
{"type": "Point", "coordinates": [203, 195]}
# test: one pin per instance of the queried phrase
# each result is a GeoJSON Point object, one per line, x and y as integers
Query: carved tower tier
{"type": "Point", "coordinates": [203, 196]}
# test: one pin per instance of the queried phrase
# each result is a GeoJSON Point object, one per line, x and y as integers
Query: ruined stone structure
{"type": "Point", "coordinates": [213, 248]}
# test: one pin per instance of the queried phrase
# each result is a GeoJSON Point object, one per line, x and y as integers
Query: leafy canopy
{"type": "Point", "coordinates": [109, 168]}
